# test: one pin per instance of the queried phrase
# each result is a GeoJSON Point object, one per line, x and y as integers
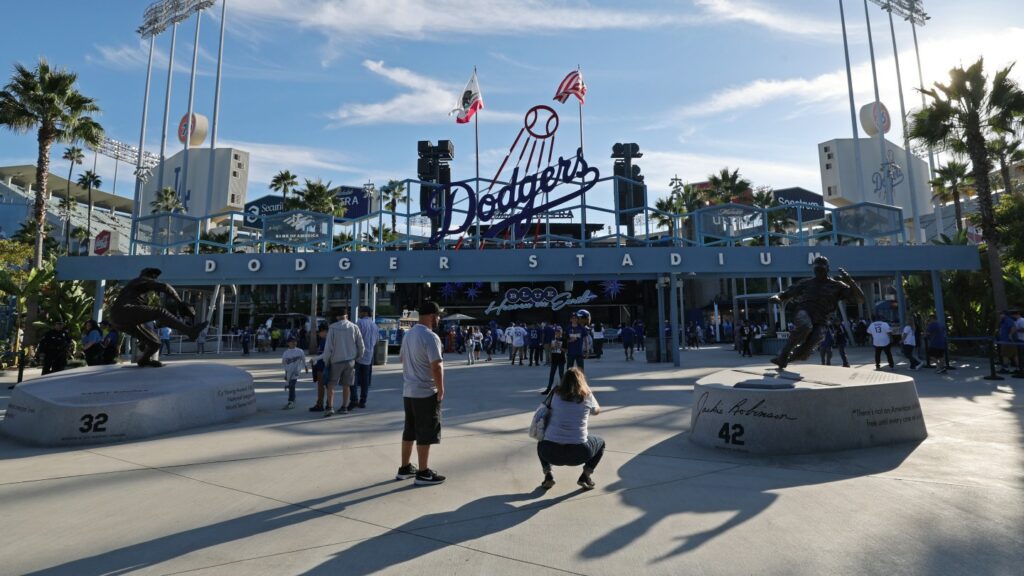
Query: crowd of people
{"type": "Point", "coordinates": [100, 344]}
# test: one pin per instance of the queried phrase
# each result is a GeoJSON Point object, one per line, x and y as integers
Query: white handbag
{"type": "Point", "coordinates": [541, 418]}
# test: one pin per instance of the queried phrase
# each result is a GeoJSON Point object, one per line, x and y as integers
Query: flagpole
{"type": "Point", "coordinates": [583, 197]}
{"type": "Point", "coordinates": [476, 130]}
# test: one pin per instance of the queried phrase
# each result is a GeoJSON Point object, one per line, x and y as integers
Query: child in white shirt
{"type": "Point", "coordinates": [293, 360]}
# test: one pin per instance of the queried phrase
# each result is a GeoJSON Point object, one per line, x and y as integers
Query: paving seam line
{"type": "Point", "coordinates": [358, 520]}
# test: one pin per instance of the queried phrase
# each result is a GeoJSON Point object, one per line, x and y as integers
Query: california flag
{"type": "Point", "coordinates": [470, 102]}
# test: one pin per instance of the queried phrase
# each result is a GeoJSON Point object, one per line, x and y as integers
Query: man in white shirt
{"type": "Point", "coordinates": [518, 344]}
{"type": "Point", "coordinates": [422, 394]}
{"type": "Point", "coordinates": [344, 344]}
{"type": "Point", "coordinates": [364, 364]}
{"type": "Point", "coordinates": [509, 336]}
{"type": "Point", "coordinates": [908, 344]}
{"type": "Point", "coordinates": [879, 332]}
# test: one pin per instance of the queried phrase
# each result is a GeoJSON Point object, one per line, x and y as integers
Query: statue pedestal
{"type": "Point", "coordinates": [101, 404]}
{"type": "Point", "coordinates": [806, 408]}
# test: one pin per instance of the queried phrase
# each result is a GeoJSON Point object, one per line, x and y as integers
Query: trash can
{"type": "Point", "coordinates": [380, 353]}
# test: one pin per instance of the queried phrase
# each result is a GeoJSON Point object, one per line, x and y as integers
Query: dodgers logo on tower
{"type": "Point", "coordinates": [519, 199]}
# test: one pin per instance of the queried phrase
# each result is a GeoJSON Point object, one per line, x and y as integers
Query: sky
{"type": "Point", "coordinates": [343, 89]}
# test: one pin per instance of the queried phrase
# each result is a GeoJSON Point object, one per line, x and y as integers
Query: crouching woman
{"type": "Point", "coordinates": [567, 441]}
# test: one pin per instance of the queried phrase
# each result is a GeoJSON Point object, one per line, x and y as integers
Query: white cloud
{"type": "Point", "coordinates": [427, 100]}
{"type": "Point", "coordinates": [415, 19]}
{"type": "Point", "coordinates": [661, 166]}
{"type": "Point", "coordinates": [779, 19]}
{"type": "Point", "coordinates": [266, 160]}
{"type": "Point", "coordinates": [1000, 47]}
{"type": "Point", "coordinates": [135, 57]}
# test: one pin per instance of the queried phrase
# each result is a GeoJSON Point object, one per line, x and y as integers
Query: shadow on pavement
{"type": "Point", "coordinates": [368, 556]}
{"type": "Point", "coordinates": [744, 496]}
{"type": "Point", "coordinates": [153, 552]}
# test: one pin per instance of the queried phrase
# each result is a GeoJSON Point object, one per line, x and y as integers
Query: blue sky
{"type": "Point", "coordinates": [343, 89]}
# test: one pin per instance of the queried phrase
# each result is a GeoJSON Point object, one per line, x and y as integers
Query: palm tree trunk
{"type": "Point", "coordinates": [88, 218]}
{"type": "Point", "coordinates": [958, 209]}
{"type": "Point", "coordinates": [67, 200]}
{"type": "Point", "coordinates": [39, 207]}
{"type": "Point", "coordinates": [981, 169]}
{"type": "Point", "coordinates": [1004, 171]}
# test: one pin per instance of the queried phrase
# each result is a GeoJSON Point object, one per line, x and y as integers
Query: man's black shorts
{"type": "Point", "coordinates": [422, 420]}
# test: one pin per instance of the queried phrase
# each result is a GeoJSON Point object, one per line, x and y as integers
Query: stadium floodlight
{"type": "Point", "coordinates": [910, 10]}
{"type": "Point", "coordinates": [124, 152]}
{"type": "Point", "coordinates": [161, 14]}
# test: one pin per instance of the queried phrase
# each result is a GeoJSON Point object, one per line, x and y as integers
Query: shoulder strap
{"type": "Point", "coordinates": [547, 399]}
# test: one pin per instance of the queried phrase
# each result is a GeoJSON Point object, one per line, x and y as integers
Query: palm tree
{"type": "Point", "coordinates": [375, 235]}
{"type": "Point", "coordinates": [46, 100]}
{"type": "Point", "coordinates": [283, 182]}
{"type": "Point", "coordinates": [166, 201]}
{"type": "Point", "coordinates": [1007, 151]}
{"type": "Point", "coordinates": [81, 235]}
{"type": "Point", "coordinates": [665, 217]}
{"type": "Point", "coordinates": [948, 182]}
{"type": "Point", "coordinates": [963, 115]}
{"type": "Point", "coordinates": [88, 180]}
{"type": "Point", "coordinates": [392, 195]}
{"type": "Point", "coordinates": [727, 186]}
{"type": "Point", "coordinates": [764, 198]}
{"type": "Point", "coordinates": [317, 196]}
{"type": "Point", "coordinates": [74, 155]}
{"type": "Point", "coordinates": [688, 199]}
{"type": "Point", "coordinates": [67, 209]}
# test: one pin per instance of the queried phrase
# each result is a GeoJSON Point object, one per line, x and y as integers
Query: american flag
{"type": "Point", "coordinates": [572, 85]}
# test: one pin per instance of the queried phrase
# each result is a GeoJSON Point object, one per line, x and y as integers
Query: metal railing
{"type": "Point", "coordinates": [712, 226]}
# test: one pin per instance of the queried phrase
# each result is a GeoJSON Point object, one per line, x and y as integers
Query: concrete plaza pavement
{"type": "Point", "coordinates": [289, 492]}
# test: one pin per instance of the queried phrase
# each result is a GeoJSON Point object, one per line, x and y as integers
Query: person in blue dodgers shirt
{"type": "Point", "coordinates": [588, 340]}
{"type": "Point", "coordinates": [548, 332]}
{"type": "Point", "coordinates": [364, 364]}
{"type": "Point", "coordinates": [627, 334]}
{"type": "Point", "coordinates": [575, 342]}
{"type": "Point", "coordinates": [535, 345]}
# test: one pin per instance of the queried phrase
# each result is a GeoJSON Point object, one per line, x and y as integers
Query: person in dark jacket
{"type": "Point", "coordinates": [92, 342]}
{"type": "Point", "coordinates": [111, 344]}
{"type": "Point", "coordinates": [54, 347]}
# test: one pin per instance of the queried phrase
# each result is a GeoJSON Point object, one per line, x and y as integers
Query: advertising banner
{"type": "Point", "coordinates": [804, 197]}
{"type": "Point", "coordinates": [297, 228]}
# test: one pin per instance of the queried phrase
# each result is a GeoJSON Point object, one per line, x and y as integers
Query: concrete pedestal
{"type": "Point", "coordinates": [101, 404]}
{"type": "Point", "coordinates": [804, 409]}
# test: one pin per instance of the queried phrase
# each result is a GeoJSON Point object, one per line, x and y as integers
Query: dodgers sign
{"type": "Point", "coordinates": [520, 194]}
{"type": "Point", "coordinates": [527, 298]}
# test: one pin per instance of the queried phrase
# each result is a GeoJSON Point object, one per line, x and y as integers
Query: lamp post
{"type": "Point", "coordinates": [369, 192]}
{"type": "Point", "coordinates": [157, 17]}
{"type": "Point", "coordinates": [889, 7]}
{"type": "Point", "coordinates": [853, 112]}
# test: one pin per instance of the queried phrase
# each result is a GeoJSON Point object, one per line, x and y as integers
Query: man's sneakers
{"type": "Point", "coordinates": [406, 472]}
{"type": "Point", "coordinates": [289, 406]}
{"type": "Point", "coordinates": [317, 408]}
{"type": "Point", "coordinates": [585, 482]}
{"type": "Point", "coordinates": [428, 478]}
{"type": "Point", "coordinates": [548, 482]}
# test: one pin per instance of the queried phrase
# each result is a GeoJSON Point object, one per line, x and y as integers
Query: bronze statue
{"type": "Point", "coordinates": [131, 311]}
{"type": "Point", "coordinates": [815, 299]}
